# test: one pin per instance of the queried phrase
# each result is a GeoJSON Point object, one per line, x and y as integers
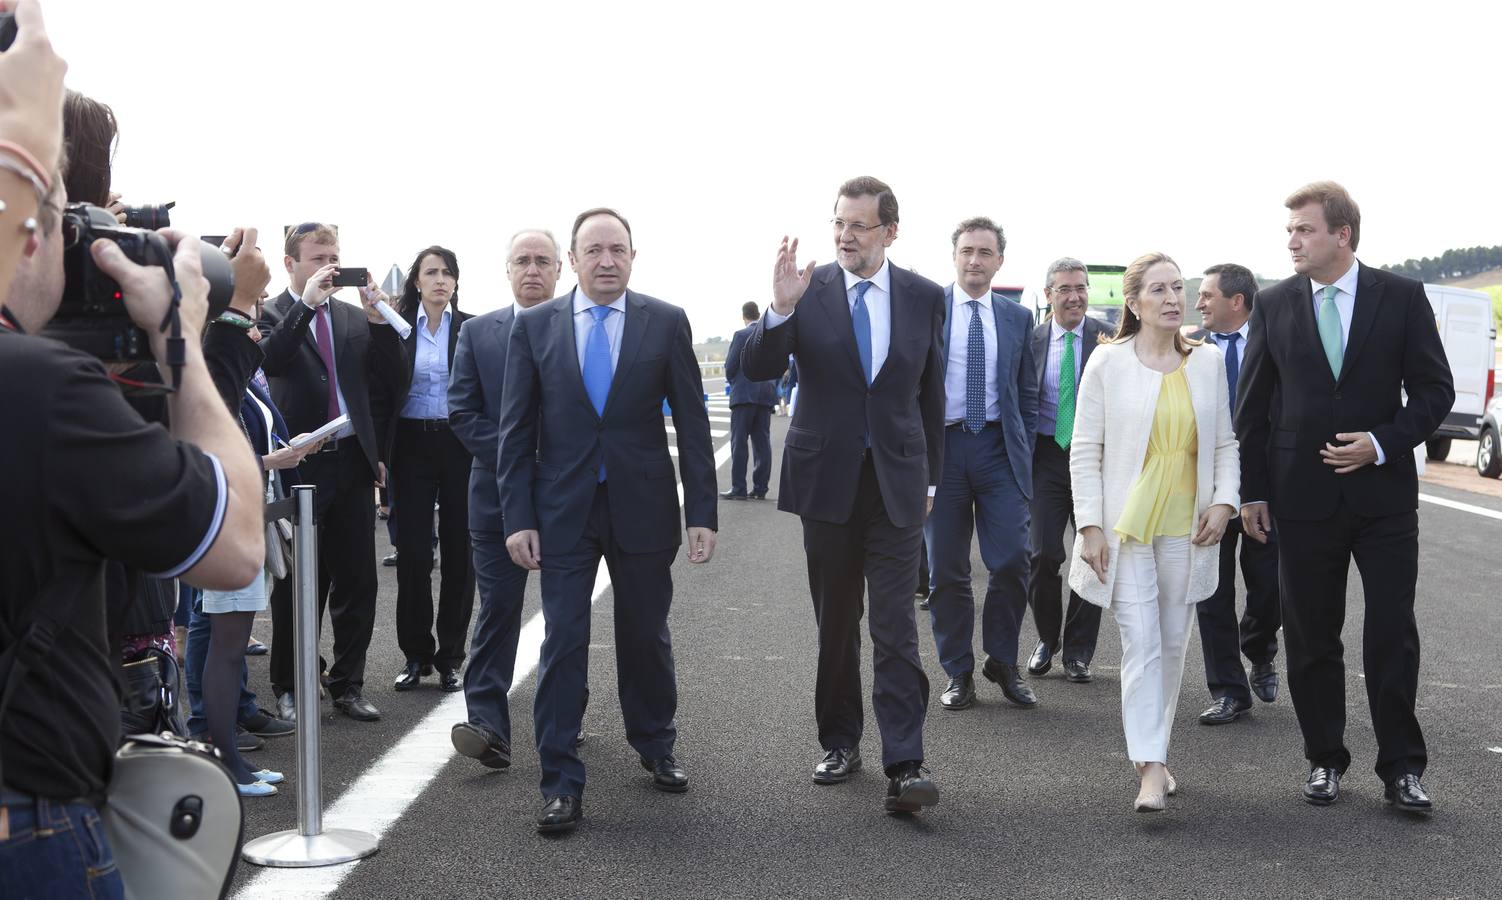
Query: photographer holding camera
{"type": "Point", "coordinates": [89, 480]}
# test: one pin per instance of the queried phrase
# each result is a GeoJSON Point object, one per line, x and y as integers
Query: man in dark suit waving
{"type": "Point", "coordinates": [751, 405]}
{"type": "Point", "coordinates": [585, 473]}
{"type": "Point", "coordinates": [532, 264]}
{"type": "Point", "coordinates": [323, 359]}
{"type": "Point", "coordinates": [1331, 463]}
{"type": "Point", "coordinates": [990, 416]}
{"type": "Point", "coordinates": [861, 465]}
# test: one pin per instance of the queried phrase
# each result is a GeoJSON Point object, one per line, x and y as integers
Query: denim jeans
{"type": "Point", "coordinates": [200, 627]}
{"type": "Point", "coordinates": [55, 850]}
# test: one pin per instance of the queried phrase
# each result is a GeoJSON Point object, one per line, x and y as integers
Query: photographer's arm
{"type": "Point", "coordinates": [198, 414]}
{"type": "Point", "coordinates": [31, 107]}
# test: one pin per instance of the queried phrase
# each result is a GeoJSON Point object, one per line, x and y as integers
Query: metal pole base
{"type": "Point", "coordinates": [289, 849]}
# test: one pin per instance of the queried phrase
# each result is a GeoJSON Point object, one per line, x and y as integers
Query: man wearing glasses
{"type": "Point", "coordinates": [322, 359]}
{"type": "Point", "coordinates": [533, 265]}
{"type": "Point", "coordinates": [1061, 345]}
{"type": "Point", "coordinates": [861, 465]}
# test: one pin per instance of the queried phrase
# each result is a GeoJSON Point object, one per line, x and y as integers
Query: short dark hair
{"type": "Point", "coordinates": [573, 237]}
{"type": "Point", "coordinates": [980, 223]}
{"type": "Point", "coordinates": [749, 311]}
{"type": "Point", "coordinates": [864, 186]}
{"type": "Point", "coordinates": [1232, 279]}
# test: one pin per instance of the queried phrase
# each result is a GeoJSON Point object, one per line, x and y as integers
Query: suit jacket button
{"type": "Point", "coordinates": [324, 377]}
{"type": "Point", "coordinates": [1337, 395]}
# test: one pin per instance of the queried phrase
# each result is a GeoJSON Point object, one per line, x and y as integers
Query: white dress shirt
{"type": "Point", "coordinates": [428, 396]}
{"type": "Point", "coordinates": [878, 302]}
{"type": "Point", "coordinates": [956, 374]}
{"type": "Point", "coordinates": [584, 321]}
{"type": "Point", "coordinates": [1345, 304]}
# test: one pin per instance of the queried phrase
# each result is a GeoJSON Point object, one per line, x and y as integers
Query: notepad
{"type": "Point", "coordinates": [328, 430]}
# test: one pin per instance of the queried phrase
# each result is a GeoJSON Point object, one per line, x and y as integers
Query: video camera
{"type": "Point", "coordinates": [92, 317]}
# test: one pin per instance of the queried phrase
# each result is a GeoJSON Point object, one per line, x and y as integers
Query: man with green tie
{"type": "Point", "coordinates": [1061, 346]}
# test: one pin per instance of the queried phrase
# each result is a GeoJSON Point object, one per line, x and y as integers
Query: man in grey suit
{"type": "Point", "coordinates": [1061, 347]}
{"type": "Point", "coordinates": [990, 417]}
{"type": "Point", "coordinates": [585, 474]}
{"type": "Point", "coordinates": [533, 265]}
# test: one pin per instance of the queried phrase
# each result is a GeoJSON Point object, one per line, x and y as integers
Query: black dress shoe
{"type": "Point", "coordinates": [448, 680]}
{"type": "Point", "coordinates": [923, 601]}
{"type": "Point", "coordinates": [1323, 786]}
{"type": "Point", "coordinates": [389, 561]}
{"type": "Point", "coordinates": [732, 495]}
{"type": "Point", "coordinates": [1013, 686]}
{"type": "Point", "coordinates": [410, 678]}
{"type": "Point", "coordinates": [757, 495]}
{"type": "Point", "coordinates": [1225, 711]}
{"type": "Point", "coordinates": [480, 743]}
{"type": "Point", "coordinates": [354, 705]}
{"type": "Point", "coordinates": [246, 742]}
{"type": "Point", "coordinates": [1041, 661]}
{"type": "Point", "coordinates": [286, 707]}
{"type": "Point", "coordinates": [1407, 794]}
{"type": "Point", "coordinates": [1265, 682]}
{"type": "Point", "coordinates": [909, 789]}
{"type": "Point", "coordinates": [838, 765]}
{"type": "Point", "coordinates": [256, 648]}
{"type": "Point", "coordinates": [667, 775]}
{"type": "Point", "coordinates": [264, 724]}
{"type": "Point", "coordinates": [1077, 671]}
{"type": "Point", "coordinates": [560, 814]}
{"type": "Point", "coordinates": [960, 693]}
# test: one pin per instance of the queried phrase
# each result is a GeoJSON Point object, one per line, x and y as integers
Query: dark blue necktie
{"type": "Point", "coordinates": [975, 373]}
{"type": "Point", "coordinates": [860, 318]}
{"type": "Point", "coordinates": [1233, 364]}
{"type": "Point", "coordinates": [597, 367]}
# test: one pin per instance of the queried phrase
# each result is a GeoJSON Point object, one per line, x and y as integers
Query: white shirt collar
{"type": "Point", "coordinates": [422, 315]}
{"type": "Point", "coordinates": [1345, 284]}
{"type": "Point", "coordinates": [1245, 331]}
{"type": "Point", "coordinates": [962, 296]}
{"type": "Point", "coordinates": [582, 302]}
{"type": "Point", "coordinates": [881, 280]}
{"type": "Point", "coordinates": [1056, 333]}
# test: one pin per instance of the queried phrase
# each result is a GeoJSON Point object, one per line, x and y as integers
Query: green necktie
{"type": "Point", "coordinates": [1063, 430]}
{"type": "Point", "coordinates": [1329, 330]}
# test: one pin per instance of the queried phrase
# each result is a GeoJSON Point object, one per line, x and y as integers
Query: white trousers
{"type": "Point", "coordinates": [1152, 581]}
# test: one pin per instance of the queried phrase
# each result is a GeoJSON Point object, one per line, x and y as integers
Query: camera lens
{"type": "Point", "coordinates": [149, 217]}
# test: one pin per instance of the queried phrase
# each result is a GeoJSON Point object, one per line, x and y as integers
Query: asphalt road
{"type": "Point", "coordinates": [1034, 803]}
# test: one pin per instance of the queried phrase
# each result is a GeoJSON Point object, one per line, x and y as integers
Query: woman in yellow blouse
{"type": "Point", "coordinates": [1155, 475]}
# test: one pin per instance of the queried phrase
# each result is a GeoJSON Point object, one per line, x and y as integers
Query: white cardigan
{"type": "Point", "coordinates": [1118, 398]}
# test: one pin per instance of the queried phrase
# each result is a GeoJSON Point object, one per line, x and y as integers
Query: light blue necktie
{"type": "Point", "coordinates": [1329, 330]}
{"type": "Point", "coordinates": [975, 373]}
{"type": "Point", "coordinates": [597, 366]}
{"type": "Point", "coordinates": [860, 318]}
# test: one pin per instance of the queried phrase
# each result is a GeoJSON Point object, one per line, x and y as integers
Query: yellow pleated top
{"type": "Point", "coordinates": [1161, 503]}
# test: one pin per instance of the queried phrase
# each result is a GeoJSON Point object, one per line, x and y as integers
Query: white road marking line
{"type": "Point", "coordinates": [712, 432]}
{"type": "Point", "coordinates": [382, 795]}
{"type": "Point", "coordinates": [1463, 507]}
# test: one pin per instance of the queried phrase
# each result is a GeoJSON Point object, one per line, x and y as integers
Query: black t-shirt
{"type": "Point", "coordinates": [85, 479]}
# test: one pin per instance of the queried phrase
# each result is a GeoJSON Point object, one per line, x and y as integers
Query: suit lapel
{"type": "Point", "coordinates": [563, 336]}
{"type": "Point", "coordinates": [1003, 345]}
{"type": "Point", "coordinates": [831, 299]}
{"type": "Point", "coordinates": [1363, 314]}
{"type": "Point", "coordinates": [1040, 353]}
{"type": "Point", "coordinates": [308, 335]}
{"type": "Point", "coordinates": [944, 333]}
{"type": "Point", "coordinates": [1308, 324]}
{"type": "Point", "coordinates": [631, 336]}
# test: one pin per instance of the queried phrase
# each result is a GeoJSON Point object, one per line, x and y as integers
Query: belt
{"type": "Point", "coordinates": [425, 424]}
{"type": "Point", "coordinates": [962, 425]}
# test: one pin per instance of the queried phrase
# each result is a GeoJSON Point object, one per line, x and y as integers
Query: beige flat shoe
{"type": "Point", "coordinates": [1173, 786]}
{"type": "Point", "coordinates": [1150, 803]}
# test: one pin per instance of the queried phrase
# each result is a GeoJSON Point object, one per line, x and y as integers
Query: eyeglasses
{"type": "Point", "coordinates": [542, 262]}
{"type": "Point", "coordinates": [855, 228]}
{"type": "Point", "coordinates": [1065, 290]}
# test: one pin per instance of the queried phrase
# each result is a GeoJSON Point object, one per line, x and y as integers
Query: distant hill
{"type": "Point", "coordinates": [1453, 266]}
{"type": "Point", "coordinates": [1478, 281]}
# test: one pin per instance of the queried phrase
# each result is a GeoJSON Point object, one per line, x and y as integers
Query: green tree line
{"type": "Point", "coordinates": [1458, 263]}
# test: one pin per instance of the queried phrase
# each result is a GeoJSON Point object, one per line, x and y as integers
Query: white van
{"type": "Point", "coordinates": [1470, 338]}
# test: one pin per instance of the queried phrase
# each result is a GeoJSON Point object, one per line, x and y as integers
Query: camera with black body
{"type": "Point", "coordinates": [149, 217]}
{"type": "Point", "coordinates": [92, 316]}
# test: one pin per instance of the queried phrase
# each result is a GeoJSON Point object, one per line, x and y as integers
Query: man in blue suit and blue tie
{"type": "Point", "coordinates": [990, 414]}
{"type": "Point", "coordinates": [751, 405]}
{"type": "Point", "coordinates": [585, 474]}
{"type": "Point", "coordinates": [532, 264]}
